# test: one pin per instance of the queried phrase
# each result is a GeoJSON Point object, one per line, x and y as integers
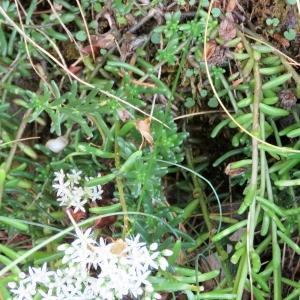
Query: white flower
{"type": "Point", "coordinates": [118, 273]}
{"type": "Point", "coordinates": [63, 247]}
{"type": "Point", "coordinates": [63, 281]}
{"type": "Point", "coordinates": [104, 251]}
{"type": "Point", "coordinates": [71, 194]}
{"type": "Point", "coordinates": [65, 200]}
{"type": "Point", "coordinates": [38, 275]}
{"type": "Point", "coordinates": [47, 296]}
{"type": "Point", "coordinates": [163, 263]}
{"type": "Point", "coordinates": [157, 296]}
{"type": "Point", "coordinates": [81, 249]}
{"type": "Point", "coordinates": [59, 176]}
{"type": "Point", "coordinates": [96, 193]}
{"type": "Point", "coordinates": [74, 177]}
{"type": "Point", "coordinates": [79, 192]}
{"type": "Point", "coordinates": [143, 259]}
{"type": "Point", "coordinates": [62, 188]}
{"type": "Point", "coordinates": [133, 243]}
{"type": "Point", "coordinates": [167, 252]}
{"type": "Point", "coordinates": [78, 205]}
{"type": "Point", "coordinates": [23, 292]}
{"type": "Point", "coordinates": [139, 280]}
{"type": "Point", "coordinates": [153, 246]}
{"type": "Point", "coordinates": [85, 237]}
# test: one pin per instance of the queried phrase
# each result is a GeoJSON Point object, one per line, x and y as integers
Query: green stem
{"type": "Point", "coordinates": [286, 64]}
{"type": "Point", "coordinates": [1, 295]}
{"type": "Point", "coordinates": [255, 162]}
{"type": "Point", "coordinates": [240, 279]}
{"type": "Point", "coordinates": [230, 94]}
{"type": "Point", "coordinates": [119, 180]}
{"type": "Point", "coordinates": [197, 186]}
{"type": "Point", "coordinates": [14, 147]}
{"type": "Point", "coordinates": [94, 119]}
{"type": "Point", "coordinates": [276, 270]}
{"type": "Point", "coordinates": [245, 42]}
{"type": "Point", "coordinates": [255, 157]}
{"type": "Point", "coordinates": [290, 69]}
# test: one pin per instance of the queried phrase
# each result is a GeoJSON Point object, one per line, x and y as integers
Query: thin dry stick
{"type": "Point", "coordinates": [151, 85]}
{"type": "Point", "coordinates": [220, 101]}
{"type": "Point", "coordinates": [73, 75]}
{"type": "Point", "coordinates": [60, 21]}
{"type": "Point", "coordinates": [200, 113]}
{"type": "Point", "coordinates": [87, 29]}
{"type": "Point", "coordinates": [158, 76]}
{"type": "Point", "coordinates": [20, 140]}
{"type": "Point", "coordinates": [78, 231]}
{"type": "Point", "coordinates": [272, 47]}
{"type": "Point", "coordinates": [13, 149]}
{"type": "Point", "coordinates": [28, 52]}
{"type": "Point", "coordinates": [69, 34]}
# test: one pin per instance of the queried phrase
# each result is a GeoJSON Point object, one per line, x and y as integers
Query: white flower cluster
{"type": "Point", "coordinates": [71, 194]}
{"type": "Point", "coordinates": [95, 271]}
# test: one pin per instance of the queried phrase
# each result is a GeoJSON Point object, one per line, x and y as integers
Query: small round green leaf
{"type": "Point", "coordinates": [213, 102]}
{"type": "Point", "coordinates": [189, 72]}
{"type": "Point", "coordinates": [155, 38]}
{"type": "Point", "coordinates": [97, 7]}
{"type": "Point", "coordinates": [215, 12]}
{"type": "Point", "coordinates": [81, 35]}
{"type": "Point", "coordinates": [269, 21]}
{"type": "Point", "coordinates": [189, 102]}
{"type": "Point", "coordinates": [290, 35]}
{"type": "Point", "coordinates": [203, 93]}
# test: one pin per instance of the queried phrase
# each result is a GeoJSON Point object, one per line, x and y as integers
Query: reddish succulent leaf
{"type": "Point", "coordinates": [75, 69]}
{"type": "Point", "coordinates": [237, 82]}
{"type": "Point", "coordinates": [105, 221]}
{"type": "Point", "coordinates": [234, 172]}
{"type": "Point", "coordinates": [79, 215]}
{"type": "Point", "coordinates": [239, 47]}
{"type": "Point", "coordinates": [88, 49]}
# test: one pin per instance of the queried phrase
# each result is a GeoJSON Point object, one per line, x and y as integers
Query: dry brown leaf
{"type": "Point", "coordinates": [57, 7]}
{"type": "Point", "coordinates": [278, 37]}
{"type": "Point", "coordinates": [118, 246]}
{"type": "Point", "coordinates": [106, 41]}
{"type": "Point", "coordinates": [130, 43]}
{"type": "Point", "coordinates": [123, 114]}
{"type": "Point", "coordinates": [210, 49]}
{"type": "Point", "coordinates": [79, 215]}
{"type": "Point", "coordinates": [287, 99]}
{"type": "Point", "coordinates": [227, 30]}
{"type": "Point", "coordinates": [88, 49]}
{"type": "Point", "coordinates": [230, 6]}
{"type": "Point", "coordinates": [143, 126]}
